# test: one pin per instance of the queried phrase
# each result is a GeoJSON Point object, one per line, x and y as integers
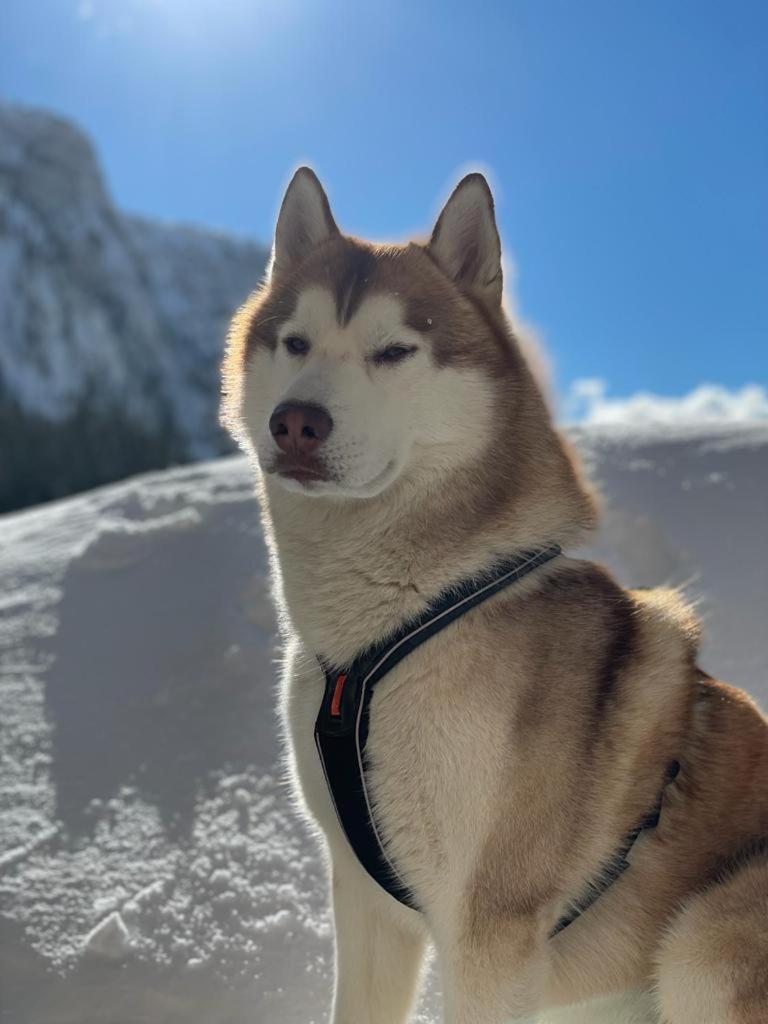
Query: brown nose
{"type": "Point", "coordinates": [299, 428]}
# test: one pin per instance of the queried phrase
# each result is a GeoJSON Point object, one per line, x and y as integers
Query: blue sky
{"type": "Point", "coordinates": [628, 143]}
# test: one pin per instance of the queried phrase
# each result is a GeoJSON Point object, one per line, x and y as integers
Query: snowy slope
{"type": "Point", "coordinates": [151, 867]}
{"type": "Point", "coordinates": [105, 318]}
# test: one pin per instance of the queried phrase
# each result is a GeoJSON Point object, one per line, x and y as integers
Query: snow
{"type": "Point", "coordinates": [152, 867]}
{"type": "Point", "coordinates": [109, 939]}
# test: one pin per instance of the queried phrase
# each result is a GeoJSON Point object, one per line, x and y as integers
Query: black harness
{"type": "Point", "coordinates": [341, 729]}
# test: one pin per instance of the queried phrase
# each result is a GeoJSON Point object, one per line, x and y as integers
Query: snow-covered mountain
{"type": "Point", "coordinates": [151, 867]}
{"type": "Point", "coordinates": [111, 326]}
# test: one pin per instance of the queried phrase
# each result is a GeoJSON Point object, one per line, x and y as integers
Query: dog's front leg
{"type": "Point", "coordinates": [379, 950]}
{"type": "Point", "coordinates": [491, 971]}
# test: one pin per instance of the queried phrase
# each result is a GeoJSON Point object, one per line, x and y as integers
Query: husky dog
{"type": "Point", "coordinates": [401, 444]}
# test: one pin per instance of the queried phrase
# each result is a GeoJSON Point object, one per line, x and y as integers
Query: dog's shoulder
{"type": "Point", "coordinates": [584, 637]}
{"type": "Point", "coordinates": [582, 599]}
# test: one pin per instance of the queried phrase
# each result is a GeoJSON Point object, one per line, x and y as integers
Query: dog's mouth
{"type": "Point", "coordinates": [313, 476]}
{"type": "Point", "coordinates": [304, 471]}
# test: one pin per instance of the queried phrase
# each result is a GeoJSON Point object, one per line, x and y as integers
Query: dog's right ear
{"type": "Point", "coordinates": [305, 220]}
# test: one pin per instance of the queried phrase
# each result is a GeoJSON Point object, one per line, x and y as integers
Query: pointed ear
{"type": "Point", "coordinates": [305, 220]}
{"type": "Point", "coordinates": [465, 242]}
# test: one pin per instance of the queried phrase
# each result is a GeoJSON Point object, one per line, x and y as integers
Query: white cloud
{"type": "Point", "coordinates": [588, 402]}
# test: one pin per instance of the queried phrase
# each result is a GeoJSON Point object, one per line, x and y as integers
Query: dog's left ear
{"type": "Point", "coordinates": [465, 241]}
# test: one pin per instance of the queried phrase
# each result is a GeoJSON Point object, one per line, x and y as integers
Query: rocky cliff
{"type": "Point", "coordinates": [111, 325]}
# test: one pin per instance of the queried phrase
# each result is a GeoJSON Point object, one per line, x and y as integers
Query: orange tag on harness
{"type": "Point", "coordinates": [338, 691]}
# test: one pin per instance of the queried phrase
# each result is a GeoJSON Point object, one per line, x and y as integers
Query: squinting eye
{"type": "Point", "coordinates": [393, 354]}
{"type": "Point", "coordinates": [296, 346]}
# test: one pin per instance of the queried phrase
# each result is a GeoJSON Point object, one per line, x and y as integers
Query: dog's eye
{"type": "Point", "coordinates": [393, 354]}
{"type": "Point", "coordinates": [296, 346]}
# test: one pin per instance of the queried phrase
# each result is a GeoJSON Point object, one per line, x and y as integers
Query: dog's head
{"type": "Point", "coordinates": [356, 364]}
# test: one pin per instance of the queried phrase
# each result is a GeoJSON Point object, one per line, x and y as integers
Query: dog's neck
{"type": "Point", "coordinates": [349, 571]}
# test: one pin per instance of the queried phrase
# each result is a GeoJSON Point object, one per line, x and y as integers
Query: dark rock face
{"type": "Point", "coordinates": [111, 326]}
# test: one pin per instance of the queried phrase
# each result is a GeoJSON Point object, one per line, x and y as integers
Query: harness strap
{"type": "Point", "coordinates": [618, 863]}
{"type": "Point", "coordinates": [341, 729]}
{"type": "Point", "coordinates": [341, 733]}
